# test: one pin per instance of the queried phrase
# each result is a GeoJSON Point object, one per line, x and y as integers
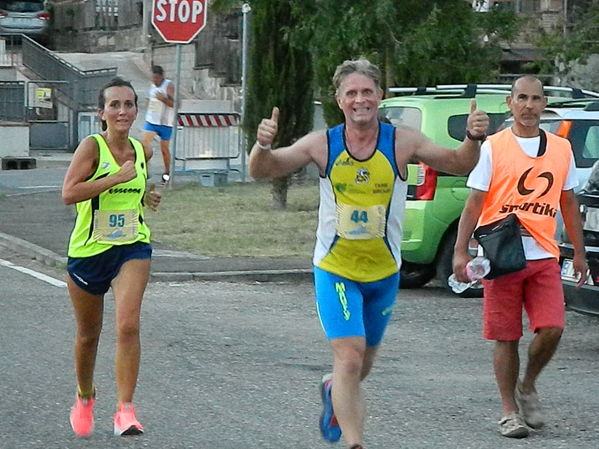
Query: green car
{"type": "Point", "coordinates": [435, 200]}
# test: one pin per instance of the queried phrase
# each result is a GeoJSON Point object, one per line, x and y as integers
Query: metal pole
{"type": "Point", "coordinates": [176, 111]}
{"type": "Point", "coordinates": [245, 10]}
{"type": "Point", "coordinates": [145, 19]}
{"type": "Point", "coordinates": [565, 31]}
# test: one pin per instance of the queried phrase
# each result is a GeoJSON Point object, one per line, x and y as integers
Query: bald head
{"type": "Point", "coordinates": [526, 104]}
{"type": "Point", "coordinates": [526, 80]}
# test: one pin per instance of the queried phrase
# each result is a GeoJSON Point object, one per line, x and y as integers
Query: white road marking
{"type": "Point", "coordinates": [35, 274]}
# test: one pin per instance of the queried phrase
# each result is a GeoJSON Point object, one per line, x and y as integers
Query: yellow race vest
{"type": "Point", "coordinates": [115, 217]}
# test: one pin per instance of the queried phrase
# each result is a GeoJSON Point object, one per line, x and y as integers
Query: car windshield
{"type": "Point", "coordinates": [30, 6]}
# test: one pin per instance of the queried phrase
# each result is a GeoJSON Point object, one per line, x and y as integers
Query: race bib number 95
{"type": "Point", "coordinates": [361, 223]}
{"type": "Point", "coordinates": [111, 226]}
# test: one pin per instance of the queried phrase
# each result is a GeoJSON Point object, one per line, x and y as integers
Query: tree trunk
{"type": "Point", "coordinates": [279, 192]}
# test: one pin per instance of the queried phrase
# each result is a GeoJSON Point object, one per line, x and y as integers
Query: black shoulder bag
{"type": "Point", "coordinates": [502, 244]}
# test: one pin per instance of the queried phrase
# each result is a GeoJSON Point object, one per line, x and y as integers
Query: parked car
{"type": "Point", "coordinates": [30, 17]}
{"type": "Point", "coordinates": [578, 121]}
{"type": "Point", "coordinates": [586, 298]}
{"type": "Point", "coordinates": [435, 200]}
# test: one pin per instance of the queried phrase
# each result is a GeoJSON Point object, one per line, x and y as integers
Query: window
{"type": "Point", "coordinates": [456, 125]}
{"type": "Point", "coordinates": [30, 6]}
{"type": "Point", "coordinates": [591, 143]}
{"type": "Point", "coordinates": [504, 4]}
{"type": "Point", "coordinates": [405, 116]}
{"type": "Point", "coordinates": [584, 137]}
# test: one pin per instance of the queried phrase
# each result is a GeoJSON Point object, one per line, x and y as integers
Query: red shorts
{"type": "Point", "coordinates": [538, 287]}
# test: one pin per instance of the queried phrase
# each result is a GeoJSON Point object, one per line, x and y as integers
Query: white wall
{"type": "Point", "coordinates": [15, 138]}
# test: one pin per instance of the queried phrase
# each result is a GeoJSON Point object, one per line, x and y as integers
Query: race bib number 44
{"type": "Point", "coordinates": [112, 226]}
{"type": "Point", "coordinates": [361, 223]}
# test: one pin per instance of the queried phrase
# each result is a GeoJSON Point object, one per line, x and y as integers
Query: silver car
{"type": "Point", "coordinates": [586, 298]}
{"type": "Point", "coordinates": [29, 17]}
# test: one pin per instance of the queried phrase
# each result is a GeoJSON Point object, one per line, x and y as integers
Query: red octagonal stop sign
{"type": "Point", "coordinates": [179, 21]}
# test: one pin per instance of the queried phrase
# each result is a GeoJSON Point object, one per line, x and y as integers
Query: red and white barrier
{"type": "Point", "coordinates": [197, 120]}
{"type": "Point", "coordinates": [208, 136]}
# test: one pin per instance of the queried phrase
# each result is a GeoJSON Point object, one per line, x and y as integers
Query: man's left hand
{"type": "Point", "coordinates": [581, 269]}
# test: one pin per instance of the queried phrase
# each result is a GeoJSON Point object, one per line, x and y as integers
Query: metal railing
{"type": "Point", "coordinates": [9, 56]}
{"type": "Point", "coordinates": [12, 101]}
{"type": "Point", "coordinates": [81, 87]}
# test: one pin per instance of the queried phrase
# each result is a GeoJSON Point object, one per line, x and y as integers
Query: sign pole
{"type": "Point", "coordinates": [178, 22]}
{"type": "Point", "coordinates": [176, 113]}
{"type": "Point", "coordinates": [245, 9]}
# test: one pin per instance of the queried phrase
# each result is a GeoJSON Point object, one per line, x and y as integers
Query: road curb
{"type": "Point", "coordinates": [52, 259]}
{"type": "Point", "coordinates": [32, 250]}
{"type": "Point", "coordinates": [291, 275]}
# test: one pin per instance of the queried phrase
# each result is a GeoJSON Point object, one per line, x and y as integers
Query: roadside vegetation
{"type": "Point", "coordinates": [237, 220]}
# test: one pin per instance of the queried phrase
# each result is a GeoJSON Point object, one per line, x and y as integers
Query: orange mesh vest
{"type": "Point", "coordinates": [530, 187]}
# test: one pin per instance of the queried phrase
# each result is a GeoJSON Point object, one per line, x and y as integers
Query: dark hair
{"type": "Point", "coordinates": [115, 82]}
{"type": "Point", "coordinates": [158, 70]}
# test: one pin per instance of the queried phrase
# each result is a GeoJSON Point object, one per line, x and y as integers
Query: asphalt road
{"type": "Point", "coordinates": [237, 365]}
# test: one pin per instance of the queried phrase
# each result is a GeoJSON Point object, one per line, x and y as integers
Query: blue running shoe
{"type": "Point", "coordinates": [329, 427]}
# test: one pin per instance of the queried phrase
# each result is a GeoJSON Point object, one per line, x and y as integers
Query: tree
{"type": "Point", "coordinates": [568, 45]}
{"type": "Point", "coordinates": [415, 42]}
{"type": "Point", "coordinates": [280, 74]}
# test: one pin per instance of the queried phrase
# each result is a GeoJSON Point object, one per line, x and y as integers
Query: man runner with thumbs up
{"type": "Point", "coordinates": [363, 168]}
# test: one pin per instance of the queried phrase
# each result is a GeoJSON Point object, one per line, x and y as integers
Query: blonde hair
{"type": "Point", "coordinates": [362, 66]}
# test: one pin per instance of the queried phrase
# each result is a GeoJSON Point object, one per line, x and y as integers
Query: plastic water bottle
{"type": "Point", "coordinates": [476, 269]}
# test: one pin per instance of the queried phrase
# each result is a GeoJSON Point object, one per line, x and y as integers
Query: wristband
{"type": "Point", "coordinates": [264, 147]}
{"type": "Point", "coordinates": [475, 138]}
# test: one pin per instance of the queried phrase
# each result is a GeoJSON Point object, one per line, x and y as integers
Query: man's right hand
{"type": "Point", "coordinates": [267, 129]}
{"type": "Point", "coordinates": [460, 260]}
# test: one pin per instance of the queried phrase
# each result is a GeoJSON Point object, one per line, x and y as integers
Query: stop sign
{"type": "Point", "coordinates": [179, 21]}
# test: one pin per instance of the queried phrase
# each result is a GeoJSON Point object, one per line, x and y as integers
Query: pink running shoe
{"type": "Point", "coordinates": [82, 416]}
{"type": "Point", "coordinates": [125, 422]}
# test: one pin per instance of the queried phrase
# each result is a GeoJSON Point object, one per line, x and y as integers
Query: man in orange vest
{"type": "Point", "coordinates": [531, 173]}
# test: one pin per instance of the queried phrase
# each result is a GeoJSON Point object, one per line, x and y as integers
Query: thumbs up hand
{"type": "Point", "coordinates": [477, 124]}
{"type": "Point", "coordinates": [267, 129]}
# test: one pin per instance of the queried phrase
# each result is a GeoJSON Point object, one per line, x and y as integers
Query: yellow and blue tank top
{"type": "Point", "coordinates": [361, 209]}
{"type": "Point", "coordinates": [115, 216]}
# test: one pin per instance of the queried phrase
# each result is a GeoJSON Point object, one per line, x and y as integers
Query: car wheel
{"type": "Point", "coordinates": [445, 266]}
{"type": "Point", "coordinates": [415, 275]}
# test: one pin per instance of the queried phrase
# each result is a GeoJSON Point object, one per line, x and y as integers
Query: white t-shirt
{"type": "Point", "coordinates": [480, 179]}
{"type": "Point", "coordinates": [159, 113]}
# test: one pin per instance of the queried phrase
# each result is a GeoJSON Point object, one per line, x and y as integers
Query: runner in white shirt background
{"type": "Point", "coordinates": [160, 116]}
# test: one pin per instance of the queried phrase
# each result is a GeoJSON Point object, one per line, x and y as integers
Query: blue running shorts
{"type": "Point", "coordinates": [164, 132]}
{"type": "Point", "coordinates": [354, 309]}
{"type": "Point", "coordinates": [95, 274]}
